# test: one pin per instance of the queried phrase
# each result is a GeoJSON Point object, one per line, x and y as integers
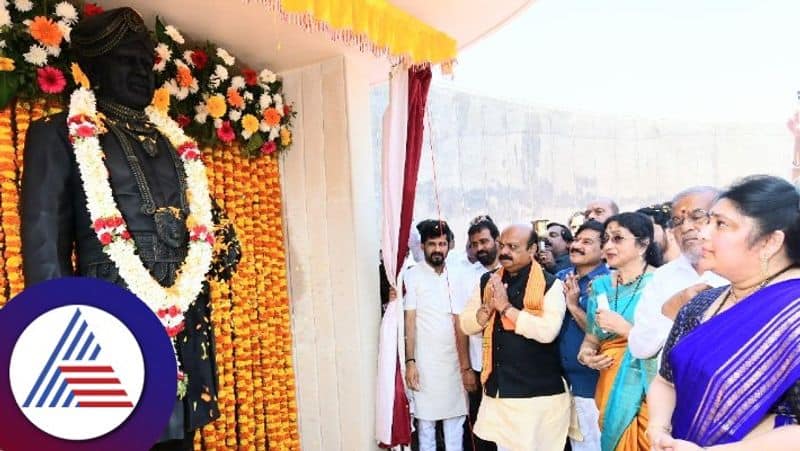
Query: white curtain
{"type": "Point", "coordinates": [395, 121]}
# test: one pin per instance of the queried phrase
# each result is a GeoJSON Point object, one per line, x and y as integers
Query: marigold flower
{"type": "Point", "coordinates": [184, 76]}
{"type": "Point", "coordinates": [6, 64]}
{"type": "Point", "coordinates": [79, 76]}
{"type": "Point", "coordinates": [161, 99]}
{"type": "Point", "coordinates": [286, 136]}
{"type": "Point", "coordinates": [250, 123]}
{"type": "Point", "coordinates": [45, 31]}
{"type": "Point", "coordinates": [235, 99]}
{"type": "Point", "coordinates": [272, 117]}
{"type": "Point", "coordinates": [216, 106]}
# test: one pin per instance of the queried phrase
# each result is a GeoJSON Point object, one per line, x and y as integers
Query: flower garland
{"type": "Point", "coordinates": [8, 173]}
{"type": "Point", "coordinates": [169, 303]}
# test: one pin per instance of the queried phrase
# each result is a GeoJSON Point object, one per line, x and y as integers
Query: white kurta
{"type": "Point", "coordinates": [436, 300]}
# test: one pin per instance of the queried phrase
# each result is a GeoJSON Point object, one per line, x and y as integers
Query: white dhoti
{"type": "Point", "coordinates": [525, 424]}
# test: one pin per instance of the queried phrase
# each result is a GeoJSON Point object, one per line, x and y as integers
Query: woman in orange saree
{"type": "Point", "coordinates": [622, 385]}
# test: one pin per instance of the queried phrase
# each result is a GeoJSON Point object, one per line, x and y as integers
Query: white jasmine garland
{"type": "Point", "coordinates": [173, 33]}
{"type": "Point", "coordinates": [169, 304]}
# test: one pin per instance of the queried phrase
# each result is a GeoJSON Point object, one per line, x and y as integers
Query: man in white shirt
{"type": "Point", "coordinates": [678, 281]}
{"type": "Point", "coordinates": [433, 362]}
{"type": "Point", "coordinates": [482, 237]}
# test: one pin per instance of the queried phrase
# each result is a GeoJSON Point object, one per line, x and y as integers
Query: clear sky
{"type": "Point", "coordinates": [705, 60]}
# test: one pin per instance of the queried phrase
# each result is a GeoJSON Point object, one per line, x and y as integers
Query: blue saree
{"type": "Point", "coordinates": [722, 395]}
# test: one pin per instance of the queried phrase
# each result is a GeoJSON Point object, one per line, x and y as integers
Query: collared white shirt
{"type": "Point", "coordinates": [651, 327]}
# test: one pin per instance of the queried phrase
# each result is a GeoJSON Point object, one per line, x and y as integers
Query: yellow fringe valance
{"type": "Point", "coordinates": [376, 26]}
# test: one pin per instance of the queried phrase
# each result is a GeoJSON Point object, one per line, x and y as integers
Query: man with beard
{"type": "Point", "coordinates": [482, 238]}
{"type": "Point", "coordinates": [662, 230]}
{"type": "Point", "coordinates": [435, 369]}
{"type": "Point", "coordinates": [678, 281]}
{"type": "Point", "coordinates": [586, 256]}
{"type": "Point", "coordinates": [520, 308]}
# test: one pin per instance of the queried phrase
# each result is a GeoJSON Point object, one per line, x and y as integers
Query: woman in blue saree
{"type": "Point", "coordinates": [730, 375]}
{"type": "Point", "coordinates": [628, 248]}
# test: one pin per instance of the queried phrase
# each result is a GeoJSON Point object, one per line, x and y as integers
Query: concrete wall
{"type": "Point", "coordinates": [518, 162]}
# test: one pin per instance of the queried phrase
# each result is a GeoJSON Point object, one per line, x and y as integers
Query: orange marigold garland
{"type": "Point", "coordinates": [8, 174]}
{"type": "Point", "coordinates": [10, 198]}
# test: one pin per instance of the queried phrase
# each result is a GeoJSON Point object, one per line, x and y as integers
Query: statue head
{"type": "Point", "coordinates": [115, 51]}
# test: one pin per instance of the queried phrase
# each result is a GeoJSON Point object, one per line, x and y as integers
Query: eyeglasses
{"type": "Point", "coordinates": [697, 217]}
{"type": "Point", "coordinates": [616, 239]}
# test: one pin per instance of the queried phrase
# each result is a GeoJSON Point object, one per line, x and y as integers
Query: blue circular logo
{"type": "Point", "coordinates": [88, 367]}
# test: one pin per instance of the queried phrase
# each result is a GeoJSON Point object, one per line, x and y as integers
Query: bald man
{"type": "Point", "coordinates": [519, 309]}
{"type": "Point", "coordinates": [600, 209]}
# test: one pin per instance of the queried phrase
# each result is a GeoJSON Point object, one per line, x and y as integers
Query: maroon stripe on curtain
{"type": "Point", "coordinates": [419, 81]}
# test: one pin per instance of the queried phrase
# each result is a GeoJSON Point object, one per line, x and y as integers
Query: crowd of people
{"type": "Point", "coordinates": [674, 327]}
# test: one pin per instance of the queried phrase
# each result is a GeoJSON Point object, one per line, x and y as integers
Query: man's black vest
{"type": "Point", "coordinates": [522, 368]}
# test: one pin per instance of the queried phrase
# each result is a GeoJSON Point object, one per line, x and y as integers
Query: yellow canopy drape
{"type": "Point", "coordinates": [374, 25]}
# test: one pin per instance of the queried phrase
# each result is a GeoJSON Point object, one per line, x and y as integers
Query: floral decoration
{"type": "Point", "coordinates": [210, 94]}
{"type": "Point", "coordinates": [218, 101]}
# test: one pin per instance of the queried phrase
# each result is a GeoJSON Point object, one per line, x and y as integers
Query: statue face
{"type": "Point", "coordinates": [125, 75]}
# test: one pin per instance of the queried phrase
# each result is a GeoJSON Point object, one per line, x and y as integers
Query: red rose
{"type": "Point", "coordinates": [161, 313]}
{"type": "Point", "coordinates": [183, 120]}
{"type": "Point", "coordinates": [125, 235]}
{"type": "Point", "coordinates": [105, 239]}
{"type": "Point", "coordinates": [91, 9]}
{"type": "Point", "coordinates": [250, 77]}
{"type": "Point", "coordinates": [287, 109]}
{"type": "Point", "coordinates": [85, 131]}
{"type": "Point", "coordinates": [115, 221]}
{"type": "Point", "coordinates": [226, 133]}
{"type": "Point", "coordinates": [99, 224]}
{"type": "Point", "coordinates": [173, 310]}
{"type": "Point", "coordinates": [199, 58]}
{"type": "Point", "coordinates": [268, 148]}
